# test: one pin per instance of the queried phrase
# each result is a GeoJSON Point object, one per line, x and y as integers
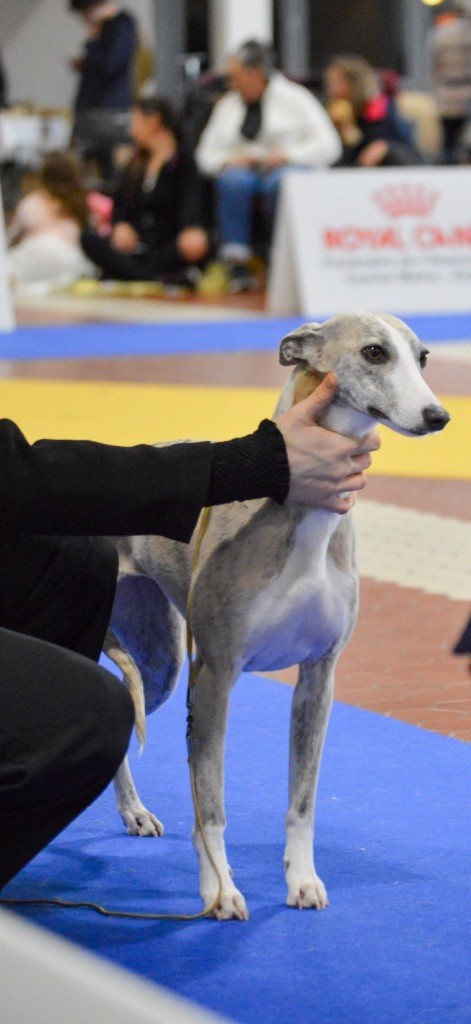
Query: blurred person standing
{"type": "Point", "coordinates": [449, 53]}
{"type": "Point", "coordinates": [106, 79]}
{"type": "Point", "coordinates": [264, 126]}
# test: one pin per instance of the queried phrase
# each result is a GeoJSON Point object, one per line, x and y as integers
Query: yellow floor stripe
{"type": "Point", "coordinates": [133, 413]}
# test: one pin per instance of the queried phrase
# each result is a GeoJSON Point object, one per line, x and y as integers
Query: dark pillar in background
{"type": "Point", "coordinates": [170, 33]}
{"type": "Point", "coordinates": [416, 21]}
{"type": "Point", "coordinates": [293, 31]}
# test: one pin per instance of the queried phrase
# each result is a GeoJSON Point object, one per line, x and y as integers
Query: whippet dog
{"type": "Point", "coordinates": [274, 586]}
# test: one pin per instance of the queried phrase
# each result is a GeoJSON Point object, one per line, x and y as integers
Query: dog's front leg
{"type": "Point", "coordinates": [310, 711]}
{"type": "Point", "coordinates": [209, 710]}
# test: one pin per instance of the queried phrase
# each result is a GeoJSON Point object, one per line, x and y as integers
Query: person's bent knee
{"type": "Point", "coordinates": [98, 578]}
{"type": "Point", "coordinates": [123, 715]}
{"type": "Point", "coordinates": [105, 558]}
{"type": "Point", "coordinates": [113, 722]}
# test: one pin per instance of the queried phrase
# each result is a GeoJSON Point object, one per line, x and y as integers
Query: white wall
{"type": "Point", "coordinates": [234, 21]}
{"type": "Point", "coordinates": [37, 38]}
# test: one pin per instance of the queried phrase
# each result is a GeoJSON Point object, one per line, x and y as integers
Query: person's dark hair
{"type": "Point", "coordinates": [79, 5]}
{"type": "Point", "coordinates": [150, 101]}
{"type": "Point", "coordinates": [82, 5]}
{"type": "Point", "coordinates": [254, 54]}
{"type": "Point", "coordinates": [60, 175]}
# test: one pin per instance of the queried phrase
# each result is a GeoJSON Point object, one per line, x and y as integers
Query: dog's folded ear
{"type": "Point", "coordinates": [304, 345]}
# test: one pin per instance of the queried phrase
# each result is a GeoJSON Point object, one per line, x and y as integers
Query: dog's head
{"type": "Point", "coordinates": [378, 362]}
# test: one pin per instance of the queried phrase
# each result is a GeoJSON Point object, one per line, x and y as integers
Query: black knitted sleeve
{"type": "Point", "coordinates": [255, 466]}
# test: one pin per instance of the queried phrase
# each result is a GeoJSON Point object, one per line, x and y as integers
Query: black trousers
{"type": "Point", "coordinates": [65, 722]}
{"type": "Point", "coordinates": [452, 128]}
{"type": "Point", "coordinates": [122, 266]}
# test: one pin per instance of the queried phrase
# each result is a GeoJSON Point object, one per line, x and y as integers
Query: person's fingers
{"type": "Point", "coordinates": [370, 442]}
{"type": "Point", "coordinates": [343, 503]}
{"type": "Point", "coordinates": [356, 482]}
{"type": "Point", "coordinates": [361, 462]}
{"type": "Point", "coordinates": [315, 403]}
{"type": "Point", "coordinates": [362, 445]}
{"type": "Point", "coordinates": [347, 470]}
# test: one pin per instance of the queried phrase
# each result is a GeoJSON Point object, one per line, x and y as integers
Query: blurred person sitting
{"type": "Point", "coordinates": [106, 80]}
{"type": "Point", "coordinates": [44, 233]}
{"type": "Point", "coordinates": [449, 59]}
{"type": "Point", "coordinates": [264, 126]}
{"type": "Point", "coordinates": [158, 228]}
{"type": "Point", "coordinates": [372, 131]}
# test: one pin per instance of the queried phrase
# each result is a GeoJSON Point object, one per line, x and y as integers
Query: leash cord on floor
{"type": "Point", "coordinates": [134, 915]}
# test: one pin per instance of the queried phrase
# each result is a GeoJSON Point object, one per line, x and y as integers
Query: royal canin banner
{"type": "Point", "coordinates": [396, 240]}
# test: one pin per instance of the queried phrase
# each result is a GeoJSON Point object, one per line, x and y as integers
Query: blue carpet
{"type": "Point", "coordinates": [88, 340]}
{"type": "Point", "coordinates": [393, 848]}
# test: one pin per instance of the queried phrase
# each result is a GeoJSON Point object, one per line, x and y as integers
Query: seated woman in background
{"type": "Point", "coordinates": [158, 224]}
{"type": "Point", "coordinates": [372, 131]}
{"type": "Point", "coordinates": [44, 234]}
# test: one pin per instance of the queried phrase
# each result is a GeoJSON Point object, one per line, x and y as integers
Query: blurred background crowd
{"type": "Point", "coordinates": [145, 177]}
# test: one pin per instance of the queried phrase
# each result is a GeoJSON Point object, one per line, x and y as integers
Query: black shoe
{"type": "Point", "coordinates": [187, 277]}
{"type": "Point", "coordinates": [241, 279]}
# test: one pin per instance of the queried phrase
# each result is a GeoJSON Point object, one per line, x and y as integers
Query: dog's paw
{"type": "Point", "coordinates": [142, 823]}
{"type": "Point", "coordinates": [311, 893]}
{"type": "Point", "coordinates": [231, 906]}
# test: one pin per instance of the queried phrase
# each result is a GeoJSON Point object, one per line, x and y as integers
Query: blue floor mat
{"type": "Point", "coordinates": [111, 340]}
{"type": "Point", "coordinates": [393, 847]}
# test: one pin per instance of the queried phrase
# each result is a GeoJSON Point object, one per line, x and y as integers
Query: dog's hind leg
{"type": "Point", "coordinates": [312, 701]}
{"type": "Point", "coordinates": [137, 819]}
{"type": "Point", "coordinates": [145, 640]}
{"type": "Point", "coordinates": [209, 711]}
{"type": "Point", "coordinates": [132, 679]}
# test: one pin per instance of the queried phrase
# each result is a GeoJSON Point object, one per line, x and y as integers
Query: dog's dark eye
{"type": "Point", "coordinates": [375, 354]}
{"type": "Point", "coordinates": [423, 357]}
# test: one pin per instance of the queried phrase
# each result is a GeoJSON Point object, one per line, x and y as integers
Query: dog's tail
{"type": "Point", "coordinates": [133, 680]}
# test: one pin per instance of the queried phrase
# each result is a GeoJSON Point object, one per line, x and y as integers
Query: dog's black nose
{"type": "Point", "coordinates": [435, 417]}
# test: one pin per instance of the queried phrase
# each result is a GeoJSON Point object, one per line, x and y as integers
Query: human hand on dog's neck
{"type": "Point", "coordinates": [326, 467]}
{"type": "Point", "coordinates": [336, 416]}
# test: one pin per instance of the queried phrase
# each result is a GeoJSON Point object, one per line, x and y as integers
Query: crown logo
{"type": "Point", "coordinates": [406, 200]}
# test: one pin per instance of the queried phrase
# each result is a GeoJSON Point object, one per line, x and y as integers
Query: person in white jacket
{"type": "Point", "coordinates": [262, 127]}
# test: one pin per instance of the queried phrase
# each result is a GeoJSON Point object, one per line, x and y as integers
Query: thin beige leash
{"type": "Point", "coordinates": [208, 911]}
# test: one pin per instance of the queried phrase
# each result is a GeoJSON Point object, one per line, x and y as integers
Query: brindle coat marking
{"type": "Point", "coordinates": [274, 586]}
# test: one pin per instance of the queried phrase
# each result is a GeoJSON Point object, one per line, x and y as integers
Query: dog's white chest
{"type": "Point", "coordinates": [303, 612]}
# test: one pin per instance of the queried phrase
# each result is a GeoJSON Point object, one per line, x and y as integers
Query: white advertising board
{"type": "Point", "coordinates": [396, 239]}
{"type": "Point", "coordinates": [47, 980]}
{"type": "Point", "coordinates": [6, 310]}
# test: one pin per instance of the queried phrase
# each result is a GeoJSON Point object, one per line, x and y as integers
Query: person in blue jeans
{"type": "Point", "coordinates": [262, 127]}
